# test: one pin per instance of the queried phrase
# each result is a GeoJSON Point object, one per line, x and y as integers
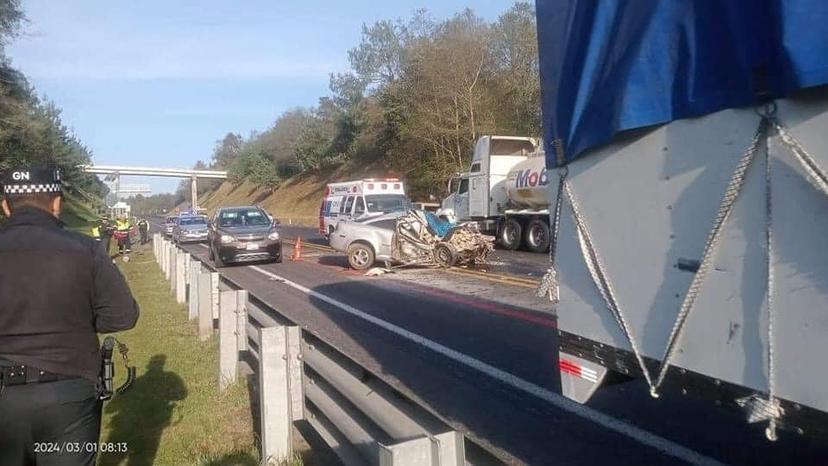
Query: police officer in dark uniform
{"type": "Point", "coordinates": [58, 290]}
{"type": "Point", "coordinates": [143, 228]}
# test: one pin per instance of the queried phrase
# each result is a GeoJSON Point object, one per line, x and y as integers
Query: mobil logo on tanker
{"type": "Point", "coordinates": [530, 178]}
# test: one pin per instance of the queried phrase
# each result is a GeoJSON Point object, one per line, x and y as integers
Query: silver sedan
{"type": "Point", "coordinates": [190, 229]}
{"type": "Point", "coordinates": [365, 241]}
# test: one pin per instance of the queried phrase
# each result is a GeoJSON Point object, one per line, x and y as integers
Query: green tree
{"type": "Point", "coordinates": [514, 47]}
{"type": "Point", "coordinates": [312, 149]}
{"type": "Point", "coordinates": [226, 150]}
{"type": "Point", "coordinates": [11, 18]}
{"type": "Point", "coordinates": [418, 94]}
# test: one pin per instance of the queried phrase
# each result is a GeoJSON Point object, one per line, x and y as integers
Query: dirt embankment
{"type": "Point", "coordinates": [297, 200]}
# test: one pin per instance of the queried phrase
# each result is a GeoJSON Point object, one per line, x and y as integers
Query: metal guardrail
{"type": "Point", "coordinates": [363, 419]}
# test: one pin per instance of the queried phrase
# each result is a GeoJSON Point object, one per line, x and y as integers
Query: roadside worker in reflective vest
{"type": "Point", "coordinates": [58, 290]}
{"type": "Point", "coordinates": [123, 228]}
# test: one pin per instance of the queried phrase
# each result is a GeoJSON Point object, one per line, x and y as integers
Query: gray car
{"type": "Point", "coordinates": [190, 229]}
{"type": "Point", "coordinates": [365, 241]}
{"type": "Point", "coordinates": [244, 234]}
{"type": "Point", "coordinates": [413, 238]}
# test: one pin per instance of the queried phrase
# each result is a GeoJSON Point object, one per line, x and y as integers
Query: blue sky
{"type": "Point", "coordinates": [156, 83]}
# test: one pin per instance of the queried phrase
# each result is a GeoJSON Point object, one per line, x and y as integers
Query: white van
{"type": "Point", "coordinates": [354, 199]}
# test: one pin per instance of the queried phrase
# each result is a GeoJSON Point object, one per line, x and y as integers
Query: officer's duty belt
{"type": "Point", "coordinates": [20, 374]}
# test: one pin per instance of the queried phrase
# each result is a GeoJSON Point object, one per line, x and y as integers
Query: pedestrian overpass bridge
{"type": "Point", "coordinates": [117, 171]}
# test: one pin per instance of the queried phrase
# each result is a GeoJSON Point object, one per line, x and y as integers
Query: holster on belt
{"type": "Point", "coordinates": [106, 378]}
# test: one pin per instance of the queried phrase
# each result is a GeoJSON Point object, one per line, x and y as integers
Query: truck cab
{"type": "Point", "coordinates": [480, 194]}
{"type": "Point", "coordinates": [456, 204]}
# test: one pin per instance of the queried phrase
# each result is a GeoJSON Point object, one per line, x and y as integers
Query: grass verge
{"type": "Point", "coordinates": [174, 413]}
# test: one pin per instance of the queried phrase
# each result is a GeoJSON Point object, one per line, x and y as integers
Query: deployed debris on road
{"type": "Point", "coordinates": [420, 238]}
{"type": "Point", "coordinates": [376, 272]}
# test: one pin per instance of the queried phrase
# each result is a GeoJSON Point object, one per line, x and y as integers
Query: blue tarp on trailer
{"type": "Point", "coordinates": [612, 65]}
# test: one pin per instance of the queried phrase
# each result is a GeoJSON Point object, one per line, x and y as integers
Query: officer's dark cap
{"type": "Point", "coordinates": [31, 180]}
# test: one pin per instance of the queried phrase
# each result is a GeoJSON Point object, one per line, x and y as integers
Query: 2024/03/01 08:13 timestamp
{"type": "Point", "coordinates": [80, 447]}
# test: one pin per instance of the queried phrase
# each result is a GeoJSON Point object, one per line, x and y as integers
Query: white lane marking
{"type": "Point", "coordinates": [203, 245]}
{"type": "Point", "coordinates": [661, 444]}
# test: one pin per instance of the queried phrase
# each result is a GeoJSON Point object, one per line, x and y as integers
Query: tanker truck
{"type": "Point", "coordinates": [504, 192]}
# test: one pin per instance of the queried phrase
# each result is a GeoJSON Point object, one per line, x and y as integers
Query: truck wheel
{"type": "Point", "coordinates": [360, 256]}
{"type": "Point", "coordinates": [510, 234]}
{"type": "Point", "coordinates": [536, 236]}
{"type": "Point", "coordinates": [445, 255]}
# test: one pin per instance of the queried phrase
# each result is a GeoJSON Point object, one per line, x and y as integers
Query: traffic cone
{"type": "Point", "coordinates": [297, 250]}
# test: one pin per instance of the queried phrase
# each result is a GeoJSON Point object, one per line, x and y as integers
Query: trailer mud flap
{"type": "Point", "coordinates": [580, 378]}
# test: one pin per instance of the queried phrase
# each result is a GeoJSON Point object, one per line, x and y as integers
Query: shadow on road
{"type": "Point", "coordinates": [142, 414]}
{"type": "Point", "coordinates": [337, 261]}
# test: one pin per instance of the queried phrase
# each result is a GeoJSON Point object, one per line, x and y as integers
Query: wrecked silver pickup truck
{"type": "Point", "coordinates": [415, 238]}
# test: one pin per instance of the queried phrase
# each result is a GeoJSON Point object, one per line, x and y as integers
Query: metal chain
{"type": "Point", "coordinates": [549, 283]}
{"type": "Point", "coordinates": [734, 188]}
{"type": "Point", "coordinates": [599, 277]}
{"type": "Point", "coordinates": [815, 173]}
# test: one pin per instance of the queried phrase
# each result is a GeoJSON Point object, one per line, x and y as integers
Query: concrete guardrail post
{"type": "Point", "coordinates": [228, 347]}
{"type": "Point", "coordinates": [167, 247]}
{"type": "Point", "coordinates": [192, 310]}
{"type": "Point", "coordinates": [452, 448]}
{"type": "Point", "coordinates": [274, 394]}
{"type": "Point", "coordinates": [444, 449]}
{"type": "Point", "coordinates": [180, 278]}
{"type": "Point", "coordinates": [158, 249]}
{"type": "Point", "coordinates": [294, 353]}
{"type": "Point", "coordinates": [205, 305]}
{"type": "Point", "coordinates": [409, 453]}
{"type": "Point", "coordinates": [187, 267]}
{"type": "Point", "coordinates": [162, 254]}
{"type": "Point", "coordinates": [170, 252]}
{"type": "Point", "coordinates": [214, 295]}
{"type": "Point", "coordinates": [241, 320]}
{"type": "Point", "coordinates": [173, 268]}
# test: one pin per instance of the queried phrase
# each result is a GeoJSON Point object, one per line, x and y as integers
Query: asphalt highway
{"type": "Point", "coordinates": [518, 263]}
{"type": "Point", "coordinates": [479, 349]}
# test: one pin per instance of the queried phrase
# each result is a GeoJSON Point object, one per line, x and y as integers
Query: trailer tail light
{"type": "Point", "coordinates": [370, 186]}
{"type": "Point", "coordinates": [396, 186]}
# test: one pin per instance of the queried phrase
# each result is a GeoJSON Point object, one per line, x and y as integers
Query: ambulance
{"type": "Point", "coordinates": [360, 198]}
